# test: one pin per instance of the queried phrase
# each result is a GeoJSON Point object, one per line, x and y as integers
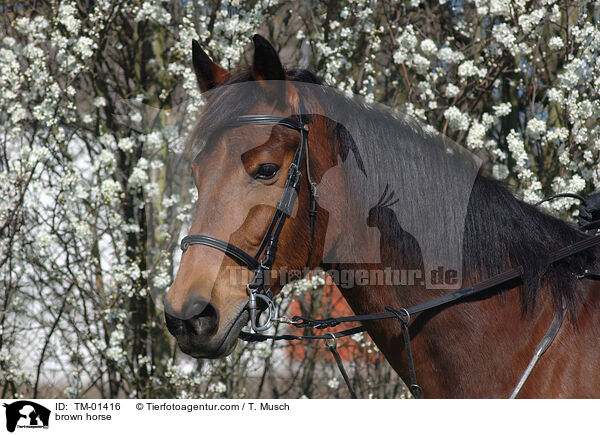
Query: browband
{"type": "Point", "coordinates": [264, 120]}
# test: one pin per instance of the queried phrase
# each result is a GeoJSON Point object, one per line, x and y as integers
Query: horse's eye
{"type": "Point", "coordinates": [266, 171]}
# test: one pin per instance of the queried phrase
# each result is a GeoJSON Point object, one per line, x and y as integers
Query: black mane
{"type": "Point", "coordinates": [500, 227]}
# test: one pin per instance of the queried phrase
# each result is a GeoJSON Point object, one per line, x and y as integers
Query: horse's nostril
{"type": "Point", "coordinates": [207, 321]}
{"type": "Point", "coordinates": [198, 317]}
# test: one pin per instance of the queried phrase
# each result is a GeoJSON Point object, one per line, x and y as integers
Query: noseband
{"type": "Point", "coordinates": [262, 261]}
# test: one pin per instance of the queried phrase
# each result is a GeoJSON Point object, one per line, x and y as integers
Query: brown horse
{"type": "Point", "coordinates": [475, 348]}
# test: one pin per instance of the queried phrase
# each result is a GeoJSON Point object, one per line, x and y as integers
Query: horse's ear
{"type": "Point", "coordinates": [208, 73]}
{"type": "Point", "coordinates": [267, 67]}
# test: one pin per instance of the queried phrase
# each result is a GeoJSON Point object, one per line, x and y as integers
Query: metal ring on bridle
{"type": "Point", "coordinates": [253, 309]}
{"type": "Point", "coordinates": [271, 313]}
{"type": "Point", "coordinates": [331, 342]}
{"type": "Point", "coordinates": [406, 314]}
{"type": "Point", "coordinates": [401, 314]}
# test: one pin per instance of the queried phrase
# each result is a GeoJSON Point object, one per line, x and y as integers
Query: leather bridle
{"type": "Point", "coordinates": [262, 261]}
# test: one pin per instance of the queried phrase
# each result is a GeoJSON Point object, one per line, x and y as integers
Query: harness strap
{"type": "Point", "coordinates": [264, 240]}
{"type": "Point", "coordinates": [256, 338]}
{"type": "Point", "coordinates": [561, 195]}
{"type": "Point", "coordinates": [590, 274]}
{"type": "Point", "coordinates": [542, 347]}
{"type": "Point", "coordinates": [313, 216]}
{"type": "Point", "coordinates": [312, 186]}
{"type": "Point", "coordinates": [462, 293]}
{"type": "Point", "coordinates": [331, 343]}
{"type": "Point", "coordinates": [284, 206]}
{"type": "Point", "coordinates": [404, 317]}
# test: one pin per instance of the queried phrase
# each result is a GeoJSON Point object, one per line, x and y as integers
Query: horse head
{"type": "Point", "coordinates": [242, 175]}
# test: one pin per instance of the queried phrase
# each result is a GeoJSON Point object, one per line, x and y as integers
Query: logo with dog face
{"type": "Point", "coordinates": [26, 414]}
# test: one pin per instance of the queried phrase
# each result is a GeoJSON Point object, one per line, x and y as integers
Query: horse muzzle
{"type": "Point", "coordinates": [198, 331]}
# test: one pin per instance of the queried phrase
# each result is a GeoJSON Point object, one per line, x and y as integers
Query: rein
{"type": "Point", "coordinates": [261, 263]}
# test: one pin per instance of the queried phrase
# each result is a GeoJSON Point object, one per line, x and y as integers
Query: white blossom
{"type": "Point", "coordinates": [573, 72]}
{"type": "Point", "coordinates": [504, 35]}
{"type": "Point", "coordinates": [450, 56]}
{"type": "Point", "coordinates": [99, 102]}
{"type": "Point", "coordinates": [84, 47]}
{"type": "Point", "coordinates": [428, 47]}
{"type": "Point", "coordinates": [110, 189]}
{"type": "Point", "coordinates": [556, 13]}
{"type": "Point", "coordinates": [557, 134]}
{"type": "Point", "coordinates": [407, 39]}
{"type": "Point", "coordinates": [529, 21]}
{"type": "Point", "coordinates": [219, 387]}
{"type": "Point", "coordinates": [500, 171]}
{"type": "Point", "coordinates": [502, 109]}
{"type": "Point", "coordinates": [154, 140]}
{"type": "Point", "coordinates": [577, 183]}
{"type": "Point", "coordinates": [67, 17]}
{"type": "Point", "coordinates": [333, 383]}
{"type": "Point", "coordinates": [500, 7]}
{"type": "Point", "coordinates": [457, 120]}
{"type": "Point", "coordinates": [153, 10]}
{"type": "Point", "coordinates": [421, 63]}
{"type": "Point", "coordinates": [555, 43]}
{"type": "Point", "coordinates": [451, 90]}
{"type": "Point", "coordinates": [115, 350]}
{"type": "Point", "coordinates": [139, 176]}
{"type": "Point", "coordinates": [126, 144]}
{"type": "Point", "coordinates": [476, 136]}
{"type": "Point", "coordinates": [517, 148]}
{"type": "Point", "coordinates": [536, 128]}
{"type": "Point", "coordinates": [555, 95]}
{"type": "Point", "coordinates": [468, 69]}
